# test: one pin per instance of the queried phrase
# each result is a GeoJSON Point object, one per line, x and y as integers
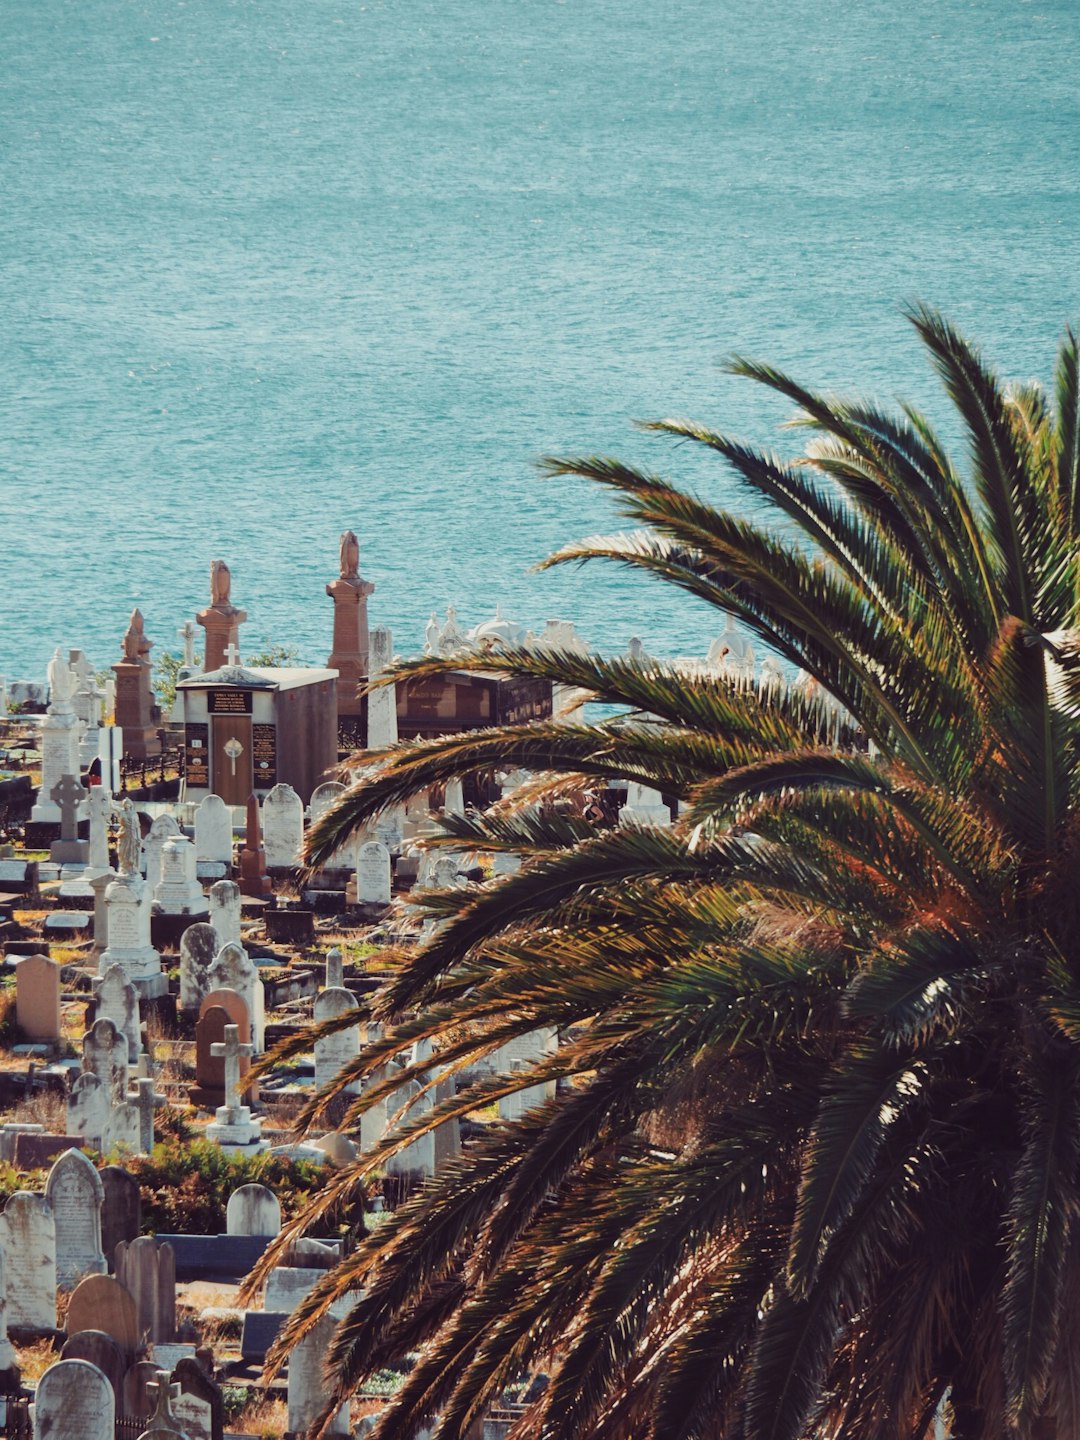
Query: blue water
{"type": "Point", "coordinates": [270, 269]}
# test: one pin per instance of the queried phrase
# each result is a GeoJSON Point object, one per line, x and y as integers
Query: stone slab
{"type": "Point", "coordinates": [259, 1333]}
{"type": "Point", "coordinates": [215, 1257]}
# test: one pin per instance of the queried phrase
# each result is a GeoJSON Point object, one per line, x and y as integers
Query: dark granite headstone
{"type": "Point", "coordinates": [103, 1351]}
{"type": "Point", "coordinates": [215, 1257]}
{"type": "Point", "coordinates": [34, 1152]}
{"type": "Point", "coordinates": [121, 1212]}
{"type": "Point", "coordinates": [290, 927]}
{"type": "Point", "coordinates": [260, 1331]}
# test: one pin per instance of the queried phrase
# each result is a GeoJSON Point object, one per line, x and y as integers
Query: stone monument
{"type": "Point", "coordinates": [233, 1126]}
{"type": "Point", "coordinates": [221, 619]}
{"type": "Point", "coordinates": [137, 713]}
{"type": "Point", "coordinates": [59, 739]}
{"type": "Point", "coordinates": [350, 653]}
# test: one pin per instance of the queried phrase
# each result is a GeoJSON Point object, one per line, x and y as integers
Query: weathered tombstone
{"type": "Point", "coordinates": [105, 1054]}
{"type": "Point", "coordinates": [37, 997]}
{"type": "Point", "coordinates": [9, 1371]}
{"type": "Point", "coordinates": [520, 1055]}
{"type": "Point", "coordinates": [253, 1210]}
{"type": "Point", "coordinates": [444, 873]}
{"type": "Point", "coordinates": [74, 1402]}
{"type": "Point", "coordinates": [373, 874]}
{"type": "Point", "coordinates": [163, 828]}
{"type": "Point", "coordinates": [136, 1402]}
{"type": "Point", "coordinates": [101, 1350]}
{"type": "Point", "coordinates": [199, 946]}
{"type": "Point", "coordinates": [163, 1423]}
{"type": "Point", "coordinates": [307, 1382]}
{"type": "Point", "coordinates": [147, 1270]}
{"type": "Point", "coordinates": [283, 827]}
{"type": "Point", "coordinates": [335, 969]}
{"type": "Point", "coordinates": [59, 739]}
{"type": "Point", "coordinates": [323, 798]}
{"type": "Point", "coordinates": [118, 1001]}
{"type": "Point", "coordinates": [69, 796]}
{"type": "Point", "coordinates": [334, 1052]}
{"type": "Point", "coordinates": [99, 808]}
{"type": "Point", "coordinates": [199, 1407]}
{"type": "Point", "coordinates": [28, 1240]}
{"type": "Point", "coordinates": [233, 969]}
{"type": "Point", "coordinates": [213, 831]}
{"type": "Point", "coordinates": [225, 911]}
{"type": "Point", "coordinates": [417, 1160]}
{"type": "Point", "coordinates": [127, 922]}
{"type": "Point", "coordinates": [178, 892]}
{"type": "Point", "coordinates": [101, 1303]}
{"type": "Point", "coordinates": [75, 1193]}
{"type": "Point", "coordinates": [121, 1214]}
{"type": "Point", "coordinates": [88, 1109]}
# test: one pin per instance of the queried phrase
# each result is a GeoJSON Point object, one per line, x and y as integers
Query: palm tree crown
{"type": "Point", "coordinates": [813, 1163]}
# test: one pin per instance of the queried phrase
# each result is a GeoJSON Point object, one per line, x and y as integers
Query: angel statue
{"type": "Point", "coordinates": [349, 556]}
{"type": "Point", "coordinates": [220, 583]}
{"type": "Point", "coordinates": [129, 848]}
{"type": "Point", "coordinates": [62, 682]}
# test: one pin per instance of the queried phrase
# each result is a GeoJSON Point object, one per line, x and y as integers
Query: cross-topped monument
{"type": "Point", "coordinates": [232, 653]}
{"type": "Point", "coordinates": [233, 1127]}
{"type": "Point", "coordinates": [221, 619]}
{"type": "Point", "coordinates": [187, 632]}
{"type": "Point", "coordinates": [68, 794]}
{"type": "Point", "coordinates": [232, 1051]}
{"type": "Point", "coordinates": [161, 1393]}
{"type": "Point", "coordinates": [146, 1102]}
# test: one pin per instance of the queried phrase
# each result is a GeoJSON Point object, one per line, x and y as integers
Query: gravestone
{"type": "Point", "coordinates": [75, 1193]}
{"type": "Point", "coordinates": [283, 827]}
{"type": "Point", "coordinates": [444, 873]}
{"type": "Point", "coordinates": [163, 828]}
{"type": "Point", "coordinates": [254, 880]}
{"type": "Point", "coordinates": [233, 969]}
{"type": "Point", "coordinates": [178, 892]}
{"type": "Point", "coordinates": [118, 1001]}
{"type": "Point", "coordinates": [121, 1213]}
{"type": "Point", "coordinates": [199, 946]}
{"type": "Point", "coordinates": [253, 1210]}
{"type": "Point", "coordinates": [59, 739]}
{"type": "Point", "coordinates": [213, 831]}
{"type": "Point", "coordinates": [74, 1401]}
{"type": "Point", "coordinates": [136, 1402]}
{"type": "Point", "coordinates": [199, 1407]}
{"type": "Point", "coordinates": [323, 798]}
{"type": "Point", "coordinates": [127, 905]}
{"type": "Point", "coordinates": [99, 1349]}
{"type": "Point", "coordinates": [147, 1270]}
{"type": "Point", "coordinates": [373, 874]}
{"type": "Point", "coordinates": [219, 1008]}
{"type": "Point", "coordinates": [233, 1127]}
{"type": "Point", "coordinates": [307, 1388]}
{"type": "Point", "coordinates": [9, 1371]}
{"type": "Point", "coordinates": [28, 1240]}
{"type": "Point", "coordinates": [225, 911]}
{"type": "Point", "coordinates": [37, 997]}
{"type": "Point", "coordinates": [335, 969]}
{"type": "Point", "coordinates": [334, 1052]}
{"type": "Point", "coordinates": [99, 809]}
{"type": "Point", "coordinates": [101, 1303]}
{"type": "Point", "coordinates": [163, 1423]}
{"type": "Point", "coordinates": [417, 1159]}
{"type": "Point", "coordinates": [69, 796]}
{"type": "Point", "coordinates": [105, 1054]}
{"type": "Point", "coordinates": [145, 1101]}
{"type": "Point", "coordinates": [89, 1109]}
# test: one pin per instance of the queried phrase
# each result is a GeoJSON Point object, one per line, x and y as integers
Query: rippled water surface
{"type": "Point", "coordinates": [269, 270]}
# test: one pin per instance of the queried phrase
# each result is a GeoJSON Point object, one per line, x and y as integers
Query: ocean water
{"type": "Point", "coordinates": [269, 270]}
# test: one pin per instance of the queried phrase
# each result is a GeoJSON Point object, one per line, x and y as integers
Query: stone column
{"type": "Point", "coordinates": [221, 619]}
{"type": "Point", "coordinates": [350, 654]}
{"type": "Point", "coordinates": [137, 715]}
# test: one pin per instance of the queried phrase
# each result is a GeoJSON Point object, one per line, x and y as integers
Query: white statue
{"type": "Point", "coordinates": [431, 634]}
{"type": "Point", "coordinates": [62, 683]}
{"type": "Point", "coordinates": [130, 846]}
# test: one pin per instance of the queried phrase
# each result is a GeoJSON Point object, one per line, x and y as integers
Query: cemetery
{"type": "Point", "coordinates": [161, 940]}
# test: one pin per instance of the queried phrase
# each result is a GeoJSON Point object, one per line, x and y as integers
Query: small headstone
{"type": "Point", "coordinates": [37, 997]}
{"type": "Point", "coordinates": [147, 1270]}
{"type": "Point", "coordinates": [199, 946]}
{"type": "Point", "coordinates": [35, 1151]}
{"type": "Point", "coordinates": [75, 1193]}
{"type": "Point", "coordinates": [254, 880]}
{"type": "Point", "coordinates": [178, 892]}
{"type": "Point", "coordinates": [373, 874]}
{"type": "Point", "coordinates": [225, 911]}
{"type": "Point", "coordinates": [333, 1052]}
{"type": "Point", "coordinates": [233, 969]}
{"type": "Point", "coordinates": [283, 827]}
{"type": "Point", "coordinates": [74, 1401]}
{"type": "Point", "coordinates": [121, 1214]}
{"type": "Point", "coordinates": [68, 924]}
{"type": "Point", "coordinates": [199, 1407]}
{"type": "Point", "coordinates": [253, 1210]}
{"type": "Point", "coordinates": [163, 1424]}
{"type": "Point", "coordinates": [88, 1110]}
{"type": "Point", "coordinates": [118, 1001]}
{"type": "Point", "coordinates": [28, 1240]}
{"type": "Point", "coordinates": [163, 828]}
{"type": "Point", "coordinates": [101, 1303]}
{"type": "Point", "coordinates": [335, 969]}
{"type": "Point", "coordinates": [233, 1127]}
{"type": "Point", "coordinates": [213, 830]}
{"type": "Point", "coordinates": [105, 1054]}
{"type": "Point", "coordinates": [136, 1402]}
{"type": "Point", "coordinates": [101, 1350]}
{"type": "Point", "coordinates": [9, 1371]}
{"type": "Point", "coordinates": [146, 1100]}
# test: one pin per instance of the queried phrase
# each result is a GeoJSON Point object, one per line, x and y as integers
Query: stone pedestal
{"type": "Point", "coordinates": [178, 892]}
{"type": "Point", "coordinates": [643, 807]}
{"type": "Point", "coordinates": [237, 1131]}
{"type": "Point", "coordinates": [59, 757]}
{"type": "Point", "coordinates": [136, 713]}
{"type": "Point", "coordinates": [350, 654]}
{"type": "Point", "coordinates": [127, 904]}
{"type": "Point", "coordinates": [222, 625]}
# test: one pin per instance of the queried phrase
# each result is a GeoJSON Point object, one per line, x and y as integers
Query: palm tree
{"type": "Point", "coordinates": [812, 1164]}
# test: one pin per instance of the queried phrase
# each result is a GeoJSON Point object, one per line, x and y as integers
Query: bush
{"type": "Point", "coordinates": [185, 1187]}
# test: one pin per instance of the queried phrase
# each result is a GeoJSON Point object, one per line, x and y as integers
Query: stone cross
{"type": "Point", "coordinates": [232, 653]}
{"type": "Point", "coordinates": [232, 1052]}
{"type": "Point", "coordinates": [187, 633]}
{"type": "Point", "coordinates": [146, 1102]}
{"type": "Point", "coordinates": [68, 793]}
{"type": "Point", "coordinates": [162, 1394]}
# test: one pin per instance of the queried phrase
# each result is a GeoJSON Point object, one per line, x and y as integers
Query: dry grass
{"type": "Point", "coordinates": [264, 1417]}
{"type": "Point", "coordinates": [33, 1360]}
{"type": "Point", "coordinates": [47, 1109]}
